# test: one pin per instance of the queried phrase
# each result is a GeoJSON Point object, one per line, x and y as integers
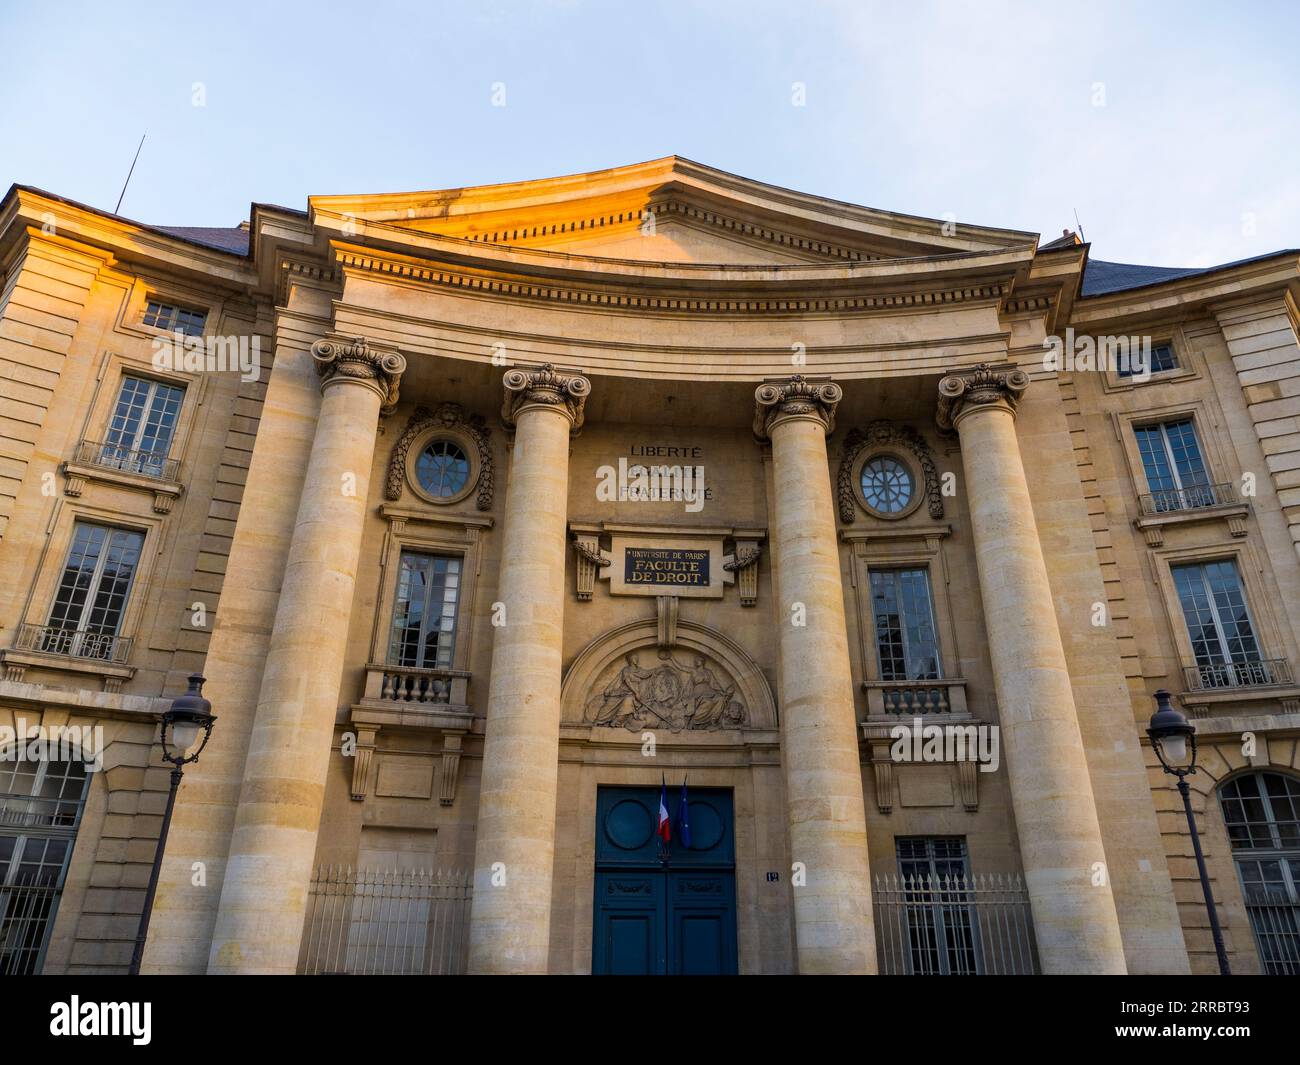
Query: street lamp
{"type": "Point", "coordinates": [183, 732]}
{"type": "Point", "coordinates": [1170, 731]}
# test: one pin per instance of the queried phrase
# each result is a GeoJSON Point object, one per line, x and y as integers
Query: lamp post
{"type": "Point", "coordinates": [1170, 731]}
{"type": "Point", "coordinates": [183, 732]}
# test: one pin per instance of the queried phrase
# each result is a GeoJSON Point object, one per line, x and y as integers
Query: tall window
{"type": "Point", "coordinates": [1218, 624]}
{"type": "Point", "coordinates": [424, 617]}
{"type": "Point", "coordinates": [40, 808]}
{"type": "Point", "coordinates": [1171, 457]}
{"type": "Point", "coordinates": [140, 432]}
{"type": "Point", "coordinates": [905, 643]}
{"type": "Point", "coordinates": [92, 594]}
{"type": "Point", "coordinates": [1262, 814]}
{"type": "Point", "coordinates": [170, 317]}
{"type": "Point", "coordinates": [942, 930]}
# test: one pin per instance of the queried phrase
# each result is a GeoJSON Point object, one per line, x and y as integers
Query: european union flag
{"type": "Point", "coordinates": [684, 818]}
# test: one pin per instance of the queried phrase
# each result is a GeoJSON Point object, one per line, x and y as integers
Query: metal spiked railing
{"type": "Point", "coordinates": [386, 922]}
{"type": "Point", "coordinates": [974, 926]}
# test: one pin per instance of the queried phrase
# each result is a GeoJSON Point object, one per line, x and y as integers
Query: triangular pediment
{"type": "Point", "coordinates": [669, 210]}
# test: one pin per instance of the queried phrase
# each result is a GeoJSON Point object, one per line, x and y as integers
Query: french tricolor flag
{"type": "Point", "coordinates": [665, 829]}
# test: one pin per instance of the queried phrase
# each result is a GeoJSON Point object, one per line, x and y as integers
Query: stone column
{"type": "Point", "coordinates": [1075, 923]}
{"type": "Point", "coordinates": [514, 852]}
{"type": "Point", "coordinates": [819, 733]}
{"type": "Point", "coordinates": [264, 891]}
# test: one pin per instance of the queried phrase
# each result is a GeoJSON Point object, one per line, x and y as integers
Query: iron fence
{"type": "Point", "coordinates": [1275, 920]}
{"type": "Point", "coordinates": [26, 910]}
{"type": "Point", "coordinates": [390, 922]}
{"type": "Point", "coordinates": [959, 926]}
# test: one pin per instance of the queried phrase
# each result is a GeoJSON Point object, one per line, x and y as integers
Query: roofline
{"type": "Point", "coordinates": [1212, 286]}
{"type": "Point", "coordinates": [668, 164]}
{"type": "Point", "coordinates": [16, 188]}
{"type": "Point", "coordinates": [1195, 273]}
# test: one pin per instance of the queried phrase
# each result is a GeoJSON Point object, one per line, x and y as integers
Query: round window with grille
{"type": "Point", "coordinates": [442, 469]}
{"type": "Point", "coordinates": [888, 487]}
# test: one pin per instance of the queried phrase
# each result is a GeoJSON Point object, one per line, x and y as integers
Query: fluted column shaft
{"type": "Point", "coordinates": [1075, 922]}
{"type": "Point", "coordinates": [268, 872]}
{"type": "Point", "coordinates": [515, 847]}
{"type": "Point", "coordinates": [819, 738]}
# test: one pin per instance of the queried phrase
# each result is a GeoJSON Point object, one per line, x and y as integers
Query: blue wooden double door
{"type": "Point", "coordinates": [664, 910]}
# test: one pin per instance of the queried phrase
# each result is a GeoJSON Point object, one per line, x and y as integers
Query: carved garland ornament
{"type": "Point", "coordinates": [744, 563]}
{"type": "Point", "coordinates": [445, 416]}
{"type": "Point", "coordinates": [797, 396]}
{"type": "Point", "coordinates": [542, 384]}
{"type": "Point", "coordinates": [885, 433]}
{"type": "Point", "coordinates": [355, 360]}
{"type": "Point", "coordinates": [591, 553]}
{"type": "Point", "coordinates": [982, 387]}
{"type": "Point", "coordinates": [745, 556]}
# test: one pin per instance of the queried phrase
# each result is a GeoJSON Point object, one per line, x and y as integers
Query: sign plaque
{"type": "Point", "coordinates": [666, 568]}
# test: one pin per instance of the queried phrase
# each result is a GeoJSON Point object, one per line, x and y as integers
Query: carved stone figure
{"type": "Point", "coordinates": [623, 695]}
{"type": "Point", "coordinates": [712, 704]}
{"type": "Point", "coordinates": [670, 695]}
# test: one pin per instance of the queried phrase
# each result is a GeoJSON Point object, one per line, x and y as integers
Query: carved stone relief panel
{"type": "Point", "coordinates": [651, 688]}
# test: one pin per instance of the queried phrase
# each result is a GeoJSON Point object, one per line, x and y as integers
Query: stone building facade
{"type": "Point", "coordinates": [492, 515]}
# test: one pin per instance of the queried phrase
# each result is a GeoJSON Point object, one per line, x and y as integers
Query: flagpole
{"type": "Point", "coordinates": [665, 857]}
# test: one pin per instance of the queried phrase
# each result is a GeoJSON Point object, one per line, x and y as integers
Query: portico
{"type": "Point", "coordinates": [480, 661]}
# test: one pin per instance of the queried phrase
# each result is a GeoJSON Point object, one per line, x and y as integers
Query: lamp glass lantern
{"type": "Point", "coordinates": [1170, 733]}
{"type": "Point", "coordinates": [187, 724]}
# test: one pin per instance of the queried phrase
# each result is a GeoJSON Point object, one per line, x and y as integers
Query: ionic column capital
{"type": "Point", "coordinates": [544, 386]}
{"type": "Point", "coordinates": [985, 386]}
{"type": "Point", "coordinates": [353, 361]}
{"type": "Point", "coordinates": [795, 397]}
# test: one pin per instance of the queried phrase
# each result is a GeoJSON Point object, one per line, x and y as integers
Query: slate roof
{"type": "Point", "coordinates": [234, 239]}
{"type": "Point", "coordinates": [1101, 278]}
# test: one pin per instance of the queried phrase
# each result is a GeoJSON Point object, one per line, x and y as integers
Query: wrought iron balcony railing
{"type": "Point", "coordinates": [74, 643]}
{"type": "Point", "coordinates": [152, 464]}
{"type": "Point", "coordinates": [1259, 673]}
{"type": "Point", "coordinates": [1170, 500]}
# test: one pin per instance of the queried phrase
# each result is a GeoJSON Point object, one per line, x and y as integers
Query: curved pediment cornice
{"type": "Point", "coordinates": [735, 219]}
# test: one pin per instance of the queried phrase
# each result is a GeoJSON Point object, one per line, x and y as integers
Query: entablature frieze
{"type": "Point", "coordinates": [613, 286]}
{"type": "Point", "coordinates": [667, 350]}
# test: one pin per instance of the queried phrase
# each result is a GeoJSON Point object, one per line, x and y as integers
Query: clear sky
{"type": "Point", "coordinates": [1171, 127]}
